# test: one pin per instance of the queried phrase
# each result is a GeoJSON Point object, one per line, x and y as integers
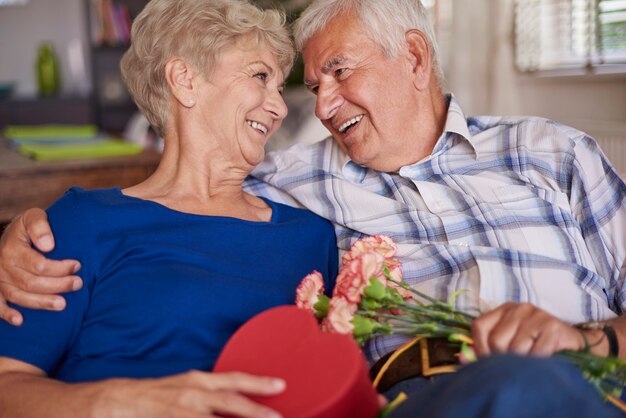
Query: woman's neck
{"type": "Point", "coordinates": [203, 182]}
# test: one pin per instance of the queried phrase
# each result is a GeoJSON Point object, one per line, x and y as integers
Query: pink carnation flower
{"type": "Point", "coordinates": [354, 276]}
{"type": "Point", "coordinates": [309, 291]}
{"type": "Point", "coordinates": [340, 316]}
{"type": "Point", "coordinates": [380, 244]}
{"type": "Point", "coordinates": [395, 272]}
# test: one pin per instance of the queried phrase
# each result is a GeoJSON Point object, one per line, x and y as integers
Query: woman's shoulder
{"type": "Point", "coordinates": [73, 201]}
{"type": "Point", "coordinates": [83, 210]}
{"type": "Point", "coordinates": [79, 196]}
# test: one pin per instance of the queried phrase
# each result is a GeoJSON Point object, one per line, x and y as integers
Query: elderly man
{"type": "Point", "coordinates": [523, 214]}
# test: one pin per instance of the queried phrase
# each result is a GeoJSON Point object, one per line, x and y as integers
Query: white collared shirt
{"type": "Point", "coordinates": [505, 209]}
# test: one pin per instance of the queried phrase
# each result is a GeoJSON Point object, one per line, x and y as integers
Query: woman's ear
{"type": "Point", "coordinates": [180, 79]}
{"type": "Point", "coordinates": [420, 57]}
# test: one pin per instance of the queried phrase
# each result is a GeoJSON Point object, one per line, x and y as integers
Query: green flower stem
{"type": "Point", "coordinates": [412, 327]}
{"type": "Point", "coordinates": [437, 315]}
{"type": "Point", "coordinates": [434, 302]}
{"type": "Point", "coordinates": [436, 319]}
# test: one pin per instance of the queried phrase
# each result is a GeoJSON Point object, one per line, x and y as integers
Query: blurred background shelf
{"type": "Point", "coordinates": [35, 110]}
{"type": "Point", "coordinates": [26, 183]}
{"type": "Point", "coordinates": [108, 26]}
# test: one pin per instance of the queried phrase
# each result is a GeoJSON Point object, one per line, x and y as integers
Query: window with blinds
{"type": "Point", "coordinates": [570, 34]}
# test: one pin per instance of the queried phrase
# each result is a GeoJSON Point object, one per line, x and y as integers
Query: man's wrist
{"type": "Point", "coordinates": [605, 331]}
{"type": "Point", "coordinates": [611, 336]}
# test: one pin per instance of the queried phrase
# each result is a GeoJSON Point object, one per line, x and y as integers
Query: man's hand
{"type": "Point", "coordinates": [524, 329]}
{"type": "Point", "coordinates": [27, 278]}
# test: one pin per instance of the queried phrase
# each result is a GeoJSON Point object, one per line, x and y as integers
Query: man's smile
{"type": "Point", "coordinates": [343, 128]}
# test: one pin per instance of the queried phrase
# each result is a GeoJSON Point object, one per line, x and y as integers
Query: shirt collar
{"type": "Point", "coordinates": [455, 129]}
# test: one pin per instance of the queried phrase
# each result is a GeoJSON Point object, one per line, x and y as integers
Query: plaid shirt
{"type": "Point", "coordinates": [505, 209]}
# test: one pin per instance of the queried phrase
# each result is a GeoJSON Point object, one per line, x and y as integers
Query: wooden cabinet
{"type": "Point", "coordinates": [108, 23]}
{"type": "Point", "coordinates": [33, 111]}
{"type": "Point", "coordinates": [25, 183]}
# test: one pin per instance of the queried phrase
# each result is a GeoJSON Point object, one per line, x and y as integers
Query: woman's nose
{"type": "Point", "coordinates": [277, 106]}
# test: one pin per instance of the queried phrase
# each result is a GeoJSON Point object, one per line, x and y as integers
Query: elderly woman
{"type": "Point", "coordinates": [174, 265]}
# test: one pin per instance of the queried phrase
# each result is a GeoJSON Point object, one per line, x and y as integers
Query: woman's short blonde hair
{"type": "Point", "coordinates": [197, 30]}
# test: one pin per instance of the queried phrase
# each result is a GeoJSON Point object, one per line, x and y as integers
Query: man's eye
{"type": "Point", "coordinates": [314, 89]}
{"type": "Point", "coordinates": [261, 75]}
{"type": "Point", "coordinates": [339, 71]}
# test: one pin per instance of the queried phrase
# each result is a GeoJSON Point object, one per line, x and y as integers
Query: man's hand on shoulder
{"type": "Point", "coordinates": [524, 329]}
{"type": "Point", "coordinates": [27, 278]}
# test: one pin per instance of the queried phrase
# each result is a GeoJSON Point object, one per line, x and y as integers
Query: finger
{"type": "Point", "coordinates": [538, 332]}
{"type": "Point", "coordinates": [47, 285]}
{"type": "Point", "coordinates": [533, 327]}
{"type": "Point", "coordinates": [33, 262]}
{"type": "Point", "coordinates": [524, 342]}
{"type": "Point", "coordinates": [482, 328]}
{"type": "Point", "coordinates": [544, 345]}
{"type": "Point", "coordinates": [37, 229]}
{"type": "Point", "coordinates": [22, 277]}
{"type": "Point", "coordinates": [241, 382]}
{"type": "Point", "coordinates": [556, 336]}
{"type": "Point", "coordinates": [230, 403]}
{"type": "Point", "coordinates": [10, 315]}
{"type": "Point", "coordinates": [518, 321]}
{"type": "Point", "coordinates": [32, 300]}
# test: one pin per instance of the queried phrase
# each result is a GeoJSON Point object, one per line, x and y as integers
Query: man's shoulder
{"type": "Point", "coordinates": [532, 132]}
{"type": "Point", "coordinates": [481, 123]}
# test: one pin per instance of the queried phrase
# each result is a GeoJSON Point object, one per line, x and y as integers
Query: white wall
{"type": "Point", "coordinates": [22, 28]}
{"type": "Point", "coordinates": [480, 67]}
{"type": "Point", "coordinates": [481, 74]}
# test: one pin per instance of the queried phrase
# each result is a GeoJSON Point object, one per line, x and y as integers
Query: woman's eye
{"type": "Point", "coordinates": [261, 75]}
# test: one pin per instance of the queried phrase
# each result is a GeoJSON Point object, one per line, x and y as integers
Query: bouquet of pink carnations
{"type": "Point", "coordinates": [370, 299]}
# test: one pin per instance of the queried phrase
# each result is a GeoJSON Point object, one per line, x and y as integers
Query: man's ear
{"type": "Point", "coordinates": [420, 57]}
{"type": "Point", "coordinates": [180, 79]}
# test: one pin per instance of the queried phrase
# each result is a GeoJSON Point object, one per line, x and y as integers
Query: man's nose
{"type": "Point", "coordinates": [328, 101]}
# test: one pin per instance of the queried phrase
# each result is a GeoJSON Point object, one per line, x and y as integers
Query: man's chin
{"type": "Point", "coordinates": [359, 160]}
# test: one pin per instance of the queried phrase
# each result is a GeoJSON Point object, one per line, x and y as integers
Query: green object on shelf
{"type": "Point", "coordinates": [47, 70]}
{"type": "Point", "coordinates": [107, 148]}
{"type": "Point", "coordinates": [50, 132]}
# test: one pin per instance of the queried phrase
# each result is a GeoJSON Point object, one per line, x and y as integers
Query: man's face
{"type": "Point", "coordinates": [366, 100]}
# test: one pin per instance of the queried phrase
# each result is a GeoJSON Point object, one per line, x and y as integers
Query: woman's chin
{"type": "Point", "coordinates": [256, 158]}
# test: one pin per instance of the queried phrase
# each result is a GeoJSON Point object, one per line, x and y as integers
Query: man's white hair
{"type": "Point", "coordinates": [386, 21]}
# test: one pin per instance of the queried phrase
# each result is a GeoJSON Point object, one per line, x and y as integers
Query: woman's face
{"type": "Point", "coordinates": [241, 102]}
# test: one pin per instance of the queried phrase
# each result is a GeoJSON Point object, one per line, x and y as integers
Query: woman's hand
{"type": "Point", "coordinates": [26, 391]}
{"type": "Point", "coordinates": [524, 329]}
{"type": "Point", "coordinates": [27, 278]}
{"type": "Point", "coordinates": [191, 394]}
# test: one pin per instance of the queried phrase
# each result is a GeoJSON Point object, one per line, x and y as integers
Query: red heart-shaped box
{"type": "Point", "coordinates": [326, 373]}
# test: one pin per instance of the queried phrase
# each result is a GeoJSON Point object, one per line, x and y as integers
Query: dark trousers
{"type": "Point", "coordinates": [504, 386]}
